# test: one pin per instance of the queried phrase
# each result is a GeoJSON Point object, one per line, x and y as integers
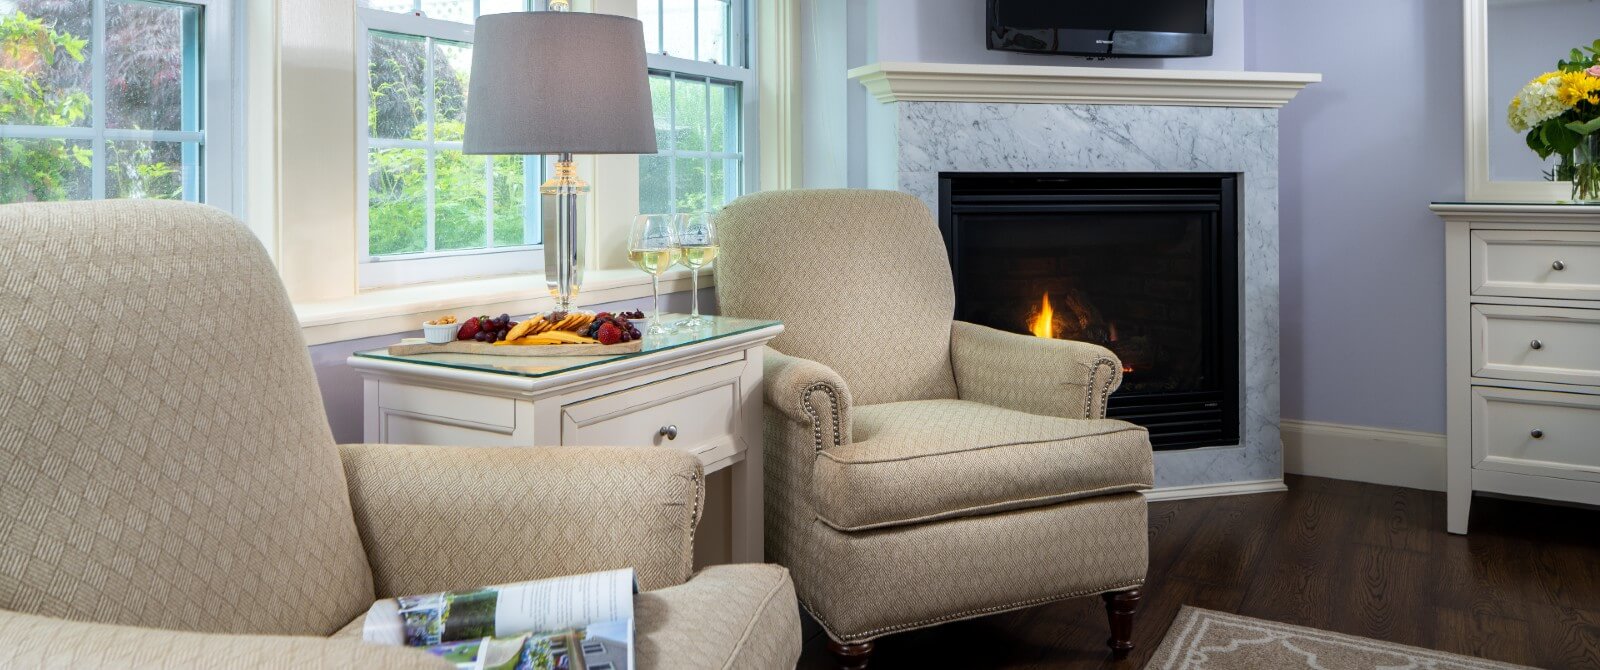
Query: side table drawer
{"type": "Point", "coordinates": [1536, 264]}
{"type": "Point", "coordinates": [1551, 344]}
{"type": "Point", "coordinates": [454, 405]}
{"type": "Point", "coordinates": [697, 412]}
{"type": "Point", "coordinates": [1536, 432]}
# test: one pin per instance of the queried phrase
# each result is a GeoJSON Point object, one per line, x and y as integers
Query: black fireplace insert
{"type": "Point", "coordinates": [1144, 264]}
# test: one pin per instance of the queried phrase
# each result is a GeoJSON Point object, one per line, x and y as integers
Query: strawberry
{"type": "Point", "coordinates": [469, 329]}
{"type": "Point", "coordinates": [609, 334]}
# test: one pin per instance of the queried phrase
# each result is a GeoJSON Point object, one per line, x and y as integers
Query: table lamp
{"type": "Point", "coordinates": [562, 83]}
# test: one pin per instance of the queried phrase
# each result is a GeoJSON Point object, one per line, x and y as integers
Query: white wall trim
{"type": "Point", "coordinates": [952, 82]}
{"type": "Point", "coordinates": [1405, 458]}
{"type": "Point", "coordinates": [1209, 490]}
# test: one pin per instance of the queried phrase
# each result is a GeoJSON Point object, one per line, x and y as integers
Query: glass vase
{"type": "Point", "coordinates": [1586, 170]}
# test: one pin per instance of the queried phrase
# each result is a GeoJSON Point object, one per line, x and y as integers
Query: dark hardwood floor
{"type": "Point", "coordinates": [1363, 559]}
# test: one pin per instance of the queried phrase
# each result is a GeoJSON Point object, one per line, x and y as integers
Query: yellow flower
{"type": "Point", "coordinates": [1576, 87]}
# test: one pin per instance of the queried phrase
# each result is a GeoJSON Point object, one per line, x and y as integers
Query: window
{"type": "Point", "coordinates": [432, 212]}
{"type": "Point", "coordinates": [701, 89]}
{"type": "Point", "coordinates": [116, 99]}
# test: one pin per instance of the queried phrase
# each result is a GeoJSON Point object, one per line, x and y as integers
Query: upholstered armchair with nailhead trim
{"type": "Point", "coordinates": [171, 495]}
{"type": "Point", "coordinates": [923, 470]}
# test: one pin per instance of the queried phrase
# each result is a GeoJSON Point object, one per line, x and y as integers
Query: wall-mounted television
{"type": "Point", "coordinates": [1102, 28]}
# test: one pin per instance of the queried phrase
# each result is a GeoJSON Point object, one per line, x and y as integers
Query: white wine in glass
{"type": "Point", "coordinates": [698, 256]}
{"type": "Point", "coordinates": [653, 248]}
{"type": "Point", "coordinates": [697, 243]}
{"type": "Point", "coordinates": [653, 261]}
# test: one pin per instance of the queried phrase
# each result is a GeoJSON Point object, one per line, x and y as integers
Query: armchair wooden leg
{"type": "Point", "coordinates": [1120, 608]}
{"type": "Point", "coordinates": [851, 655]}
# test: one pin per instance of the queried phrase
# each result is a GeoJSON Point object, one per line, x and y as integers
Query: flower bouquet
{"type": "Point", "coordinates": [1560, 112]}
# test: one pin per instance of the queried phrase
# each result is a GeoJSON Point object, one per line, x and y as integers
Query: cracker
{"type": "Point", "coordinates": [520, 329]}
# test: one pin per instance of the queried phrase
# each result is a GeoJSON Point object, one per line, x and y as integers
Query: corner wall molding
{"type": "Point", "coordinates": [953, 82]}
{"type": "Point", "coordinates": [1405, 458]}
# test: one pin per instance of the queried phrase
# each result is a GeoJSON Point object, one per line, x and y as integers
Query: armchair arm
{"type": "Point", "coordinates": [438, 518]}
{"type": "Point", "coordinates": [28, 641]}
{"type": "Point", "coordinates": [1032, 374]}
{"type": "Point", "coordinates": [811, 394]}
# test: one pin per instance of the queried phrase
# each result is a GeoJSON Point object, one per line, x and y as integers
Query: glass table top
{"type": "Point", "coordinates": [715, 327]}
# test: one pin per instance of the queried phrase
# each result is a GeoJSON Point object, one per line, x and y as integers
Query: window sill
{"type": "Point", "coordinates": [403, 309]}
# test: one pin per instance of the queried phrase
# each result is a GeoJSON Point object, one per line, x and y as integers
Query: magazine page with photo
{"type": "Point", "coordinates": [578, 622]}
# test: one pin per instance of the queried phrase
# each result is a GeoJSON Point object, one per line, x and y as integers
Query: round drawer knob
{"type": "Point", "coordinates": [1536, 344]}
{"type": "Point", "coordinates": [1558, 266]}
{"type": "Point", "coordinates": [669, 432]}
{"type": "Point", "coordinates": [1537, 434]}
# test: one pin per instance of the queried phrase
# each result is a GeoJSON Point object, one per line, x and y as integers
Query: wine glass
{"type": "Point", "coordinates": [653, 247]}
{"type": "Point", "coordinates": [697, 245]}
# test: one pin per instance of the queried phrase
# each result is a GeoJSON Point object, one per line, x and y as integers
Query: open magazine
{"type": "Point", "coordinates": [581, 622]}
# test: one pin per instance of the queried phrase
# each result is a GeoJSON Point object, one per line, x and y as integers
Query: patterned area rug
{"type": "Point", "coordinates": [1201, 639]}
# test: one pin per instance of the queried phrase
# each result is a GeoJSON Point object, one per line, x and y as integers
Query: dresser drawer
{"type": "Point", "coordinates": [697, 412]}
{"type": "Point", "coordinates": [1536, 432]}
{"type": "Point", "coordinates": [1550, 344]}
{"type": "Point", "coordinates": [1536, 264]}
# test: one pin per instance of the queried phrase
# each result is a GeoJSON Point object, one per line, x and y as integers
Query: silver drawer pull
{"type": "Point", "coordinates": [1536, 344]}
{"type": "Point", "coordinates": [1558, 266]}
{"type": "Point", "coordinates": [1537, 434]}
{"type": "Point", "coordinates": [669, 432]}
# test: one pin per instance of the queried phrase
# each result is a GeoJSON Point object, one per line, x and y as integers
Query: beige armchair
{"type": "Point", "coordinates": [922, 470]}
{"type": "Point", "coordinates": [172, 496]}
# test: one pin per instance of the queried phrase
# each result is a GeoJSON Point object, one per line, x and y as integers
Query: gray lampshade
{"type": "Point", "coordinates": [559, 82]}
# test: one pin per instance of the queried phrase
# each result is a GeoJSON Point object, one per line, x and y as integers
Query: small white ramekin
{"type": "Point", "coordinates": [443, 333]}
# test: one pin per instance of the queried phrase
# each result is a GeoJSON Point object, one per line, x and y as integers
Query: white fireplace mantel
{"type": "Point", "coordinates": [957, 82]}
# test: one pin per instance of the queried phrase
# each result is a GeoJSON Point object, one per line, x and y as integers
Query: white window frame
{"type": "Point", "coordinates": [218, 137]}
{"type": "Point", "coordinates": [426, 266]}
{"type": "Point", "coordinates": [741, 31]}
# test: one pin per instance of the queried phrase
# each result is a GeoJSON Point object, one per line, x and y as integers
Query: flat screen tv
{"type": "Point", "coordinates": [1121, 28]}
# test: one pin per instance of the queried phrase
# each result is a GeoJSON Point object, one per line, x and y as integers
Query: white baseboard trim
{"type": "Point", "coordinates": [1364, 454]}
{"type": "Point", "coordinates": [1208, 490]}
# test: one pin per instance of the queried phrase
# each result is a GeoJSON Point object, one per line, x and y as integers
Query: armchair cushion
{"type": "Point", "coordinates": [440, 518]}
{"type": "Point", "coordinates": [835, 264]}
{"type": "Point", "coordinates": [922, 460]}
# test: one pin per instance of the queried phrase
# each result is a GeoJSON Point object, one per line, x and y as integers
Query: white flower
{"type": "Point", "coordinates": [1536, 103]}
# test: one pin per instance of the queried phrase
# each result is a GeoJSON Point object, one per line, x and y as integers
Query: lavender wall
{"type": "Point", "coordinates": [341, 386]}
{"type": "Point", "coordinates": [1363, 153]}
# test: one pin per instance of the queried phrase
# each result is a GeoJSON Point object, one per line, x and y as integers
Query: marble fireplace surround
{"type": "Point", "coordinates": [935, 117]}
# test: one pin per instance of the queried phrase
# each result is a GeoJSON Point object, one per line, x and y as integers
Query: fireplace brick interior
{"type": "Point", "coordinates": [1143, 264]}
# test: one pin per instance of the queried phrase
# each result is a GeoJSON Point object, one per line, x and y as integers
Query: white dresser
{"type": "Point", "coordinates": [1522, 343]}
{"type": "Point", "coordinates": [698, 391]}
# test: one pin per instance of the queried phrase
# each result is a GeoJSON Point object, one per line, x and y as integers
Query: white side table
{"type": "Point", "coordinates": [1522, 366]}
{"type": "Point", "coordinates": [697, 391]}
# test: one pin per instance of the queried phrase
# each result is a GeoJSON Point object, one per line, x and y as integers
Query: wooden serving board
{"type": "Point", "coordinates": [416, 345]}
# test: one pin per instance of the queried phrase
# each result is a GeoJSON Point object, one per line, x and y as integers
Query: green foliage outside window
{"type": "Point", "coordinates": [397, 188]}
{"type": "Point", "coordinates": [42, 84]}
{"type": "Point", "coordinates": [38, 169]}
{"type": "Point", "coordinates": [692, 120]}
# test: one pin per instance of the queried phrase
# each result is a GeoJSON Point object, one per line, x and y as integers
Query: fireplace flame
{"type": "Point", "coordinates": [1043, 322]}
